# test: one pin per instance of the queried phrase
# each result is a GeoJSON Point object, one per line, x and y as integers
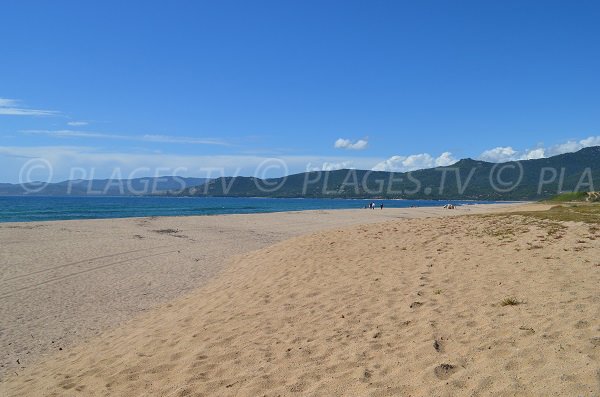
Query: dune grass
{"type": "Point", "coordinates": [568, 197]}
{"type": "Point", "coordinates": [588, 213]}
{"type": "Point", "coordinates": [510, 301]}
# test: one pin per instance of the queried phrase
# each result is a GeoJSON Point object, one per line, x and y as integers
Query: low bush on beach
{"type": "Point", "coordinates": [510, 301]}
{"type": "Point", "coordinates": [570, 196]}
{"type": "Point", "coordinates": [588, 213]}
{"type": "Point", "coordinates": [166, 231]}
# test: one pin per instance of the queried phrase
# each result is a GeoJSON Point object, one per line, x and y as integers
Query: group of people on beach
{"type": "Point", "coordinates": [372, 206]}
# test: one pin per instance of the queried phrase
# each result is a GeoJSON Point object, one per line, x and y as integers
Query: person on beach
{"type": "Point", "coordinates": [381, 206]}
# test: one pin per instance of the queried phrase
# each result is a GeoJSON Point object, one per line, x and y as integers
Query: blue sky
{"type": "Point", "coordinates": [192, 85]}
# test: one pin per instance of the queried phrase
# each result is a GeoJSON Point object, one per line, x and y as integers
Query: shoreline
{"type": "Point", "coordinates": [461, 203]}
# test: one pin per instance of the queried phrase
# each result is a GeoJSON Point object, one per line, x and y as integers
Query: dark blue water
{"type": "Point", "coordinates": [29, 208]}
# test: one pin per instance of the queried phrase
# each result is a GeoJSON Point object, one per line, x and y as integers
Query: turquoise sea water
{"type": "Point", "coordinates": [30, 208]}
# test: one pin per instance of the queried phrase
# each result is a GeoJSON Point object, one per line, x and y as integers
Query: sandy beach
{"type": "Point", "coordinates": [358, 302]}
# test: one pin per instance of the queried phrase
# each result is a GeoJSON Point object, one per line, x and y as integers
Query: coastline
{"type": "Point", "coordinates": [53, 208]}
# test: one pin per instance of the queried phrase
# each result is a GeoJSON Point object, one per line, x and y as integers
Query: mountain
{"type": "Point", "coordinates": [103, 187]}
{"type": "Point", "coordinates": [468, 179]}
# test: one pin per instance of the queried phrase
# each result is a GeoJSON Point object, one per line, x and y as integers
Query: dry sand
{"type": "Point", "coordinates": [405, 307]}
{"type": "Point", "coordinates": [61, 282]}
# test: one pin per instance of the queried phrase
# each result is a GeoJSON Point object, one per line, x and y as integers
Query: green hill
{"type": "Point", "coordinates": [468, 179]}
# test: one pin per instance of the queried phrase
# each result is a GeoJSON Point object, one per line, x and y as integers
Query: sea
{"type": "Point", "coordinates": [51, 208]}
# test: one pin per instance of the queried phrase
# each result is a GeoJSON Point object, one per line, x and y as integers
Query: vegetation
{"type": "Point", "coordinates": [510, 301]}
{"type": "Point", "coordinates": [468, 180]}
{"type": "Point", "coordinates": [584, 212]}
{"type": "Point", "coordinates": [569, 197]}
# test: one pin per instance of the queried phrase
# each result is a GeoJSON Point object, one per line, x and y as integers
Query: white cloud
{"type": "Point", "coordinates": [499, 154]}
{"type": "Point", "coordinates": [566, 147]}
{"type": "Point", "coordinates": [573, 146]}
{"type": "Point", "coordinates": [507, 153]}
{"type": "Point", "coordinates": [77, 123]}
{"type": "Point", "coordinates": [341, 143]}
{"type": "Point", "coordinates": [417, 161]}
{"type": "Point", "coordinates": [73, 134]}
{"type": "Point", "coordinates": [414, 162]}
{"type": "Point", "coordinates": [140, 138]}
{"type": "Point", "coordinates": [445, 159]}
{"type": "Point", "coordinates": [5, 102]}
{"type": "Point", "coordinates": [539, 153]}
{"type": "Point", "coordinates": [591, 141]}
{"type": "Point", "coordinates": [12, 107]}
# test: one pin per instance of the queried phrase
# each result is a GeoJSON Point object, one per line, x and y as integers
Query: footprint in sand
{"type": "Point", "coordinates": [444, 371]}
{"type": "Point", "coordinates": [582, 324]}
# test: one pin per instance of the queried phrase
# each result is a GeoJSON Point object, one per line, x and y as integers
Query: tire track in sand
{"type": "Point", "coordinates": [30, 287]}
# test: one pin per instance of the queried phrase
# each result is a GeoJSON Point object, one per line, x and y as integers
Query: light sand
{"type": "Point", "coordinates": [357, 312]}
{"type": "Point", "coordinates": [61, 282]}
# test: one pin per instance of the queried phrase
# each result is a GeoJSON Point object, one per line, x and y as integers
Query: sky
{"type": "Point", "coordinates": [264, 88]}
